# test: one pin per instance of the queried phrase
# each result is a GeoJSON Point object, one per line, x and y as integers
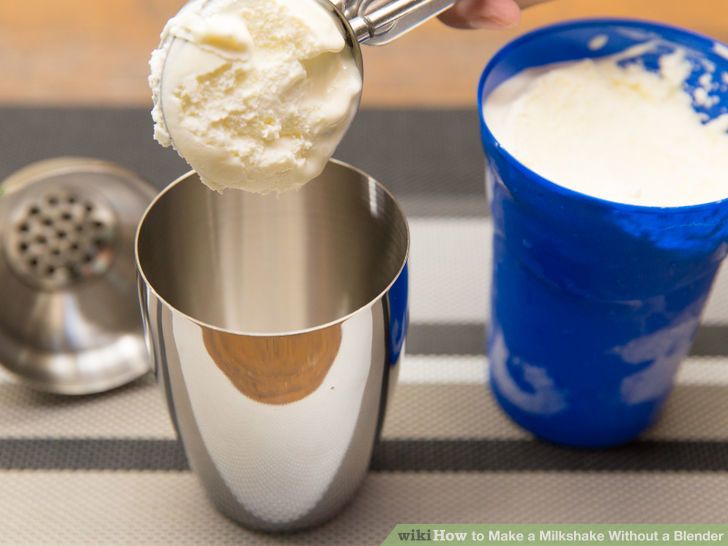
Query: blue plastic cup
{"type": "Point", "coordinates": [594, 304]}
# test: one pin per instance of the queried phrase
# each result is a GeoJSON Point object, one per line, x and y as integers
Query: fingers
{"type": "Point", "coordinates": [482, 14]}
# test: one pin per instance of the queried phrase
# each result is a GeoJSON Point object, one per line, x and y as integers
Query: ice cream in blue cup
{"type": "Point", "coordinates": [595, 303]}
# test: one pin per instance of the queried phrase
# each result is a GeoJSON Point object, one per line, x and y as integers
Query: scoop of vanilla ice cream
{"type": "Point", "coordinates": [254, 94]}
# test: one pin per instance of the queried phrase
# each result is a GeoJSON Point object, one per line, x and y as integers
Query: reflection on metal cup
{"type": "Point", "coordinates": [276, 324]}
{"type": "Point", "coordinates": [275, 371]}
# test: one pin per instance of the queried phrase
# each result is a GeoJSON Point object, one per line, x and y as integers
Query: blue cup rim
{"type": "Point", "coordinates": [691, 39]}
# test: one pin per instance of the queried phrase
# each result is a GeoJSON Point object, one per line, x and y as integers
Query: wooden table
{"type": "Point", "coordinates": [95, 52]}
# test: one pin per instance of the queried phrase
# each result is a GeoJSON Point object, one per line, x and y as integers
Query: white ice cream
{"type": "Point", "coordinates": [621, 134]}
{"type": "Point", "coordinates": [254, 94]}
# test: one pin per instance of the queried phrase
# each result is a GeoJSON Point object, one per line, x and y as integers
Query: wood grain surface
{"type": "Point", "coordinates": [74, 52]}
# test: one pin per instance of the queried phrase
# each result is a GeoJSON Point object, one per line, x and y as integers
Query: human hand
{"type": "Point", "coordinates": [482, 14]}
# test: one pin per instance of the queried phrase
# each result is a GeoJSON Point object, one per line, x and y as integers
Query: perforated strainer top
{"type": "Point", "coordinates": [69, 315]}
{"type": "Point", "coordinates": [59, 237]}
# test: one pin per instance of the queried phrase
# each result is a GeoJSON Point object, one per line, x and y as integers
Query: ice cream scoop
{"type": "Point", "coordinates": [257, 94]}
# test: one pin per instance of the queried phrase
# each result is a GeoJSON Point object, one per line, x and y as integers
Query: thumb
{"type": "Point", "coordinates": [482, 14]}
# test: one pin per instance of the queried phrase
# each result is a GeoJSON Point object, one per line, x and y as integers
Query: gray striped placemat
{"type": "Point", "coordinates": [108, 470]}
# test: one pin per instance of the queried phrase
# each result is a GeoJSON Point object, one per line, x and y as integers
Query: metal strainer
{"type": "Point", "coordinates": [69, 318]}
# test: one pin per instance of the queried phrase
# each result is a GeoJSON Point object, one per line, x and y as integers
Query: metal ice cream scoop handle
{"type": "Point", "coordinates": [378, 22]}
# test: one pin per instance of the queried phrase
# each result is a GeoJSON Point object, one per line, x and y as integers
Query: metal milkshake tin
{"type": "Point", "coordinates": [276, 324]}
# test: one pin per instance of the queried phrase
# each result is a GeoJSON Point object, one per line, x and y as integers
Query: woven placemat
{"type": "Point", "coordinates": [108, 470]}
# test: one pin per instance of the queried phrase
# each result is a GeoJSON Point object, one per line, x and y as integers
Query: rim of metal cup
{"type": "Point", "coordinates": [339, 320]}
{"type": "Point", "coordinates": [692, 39]}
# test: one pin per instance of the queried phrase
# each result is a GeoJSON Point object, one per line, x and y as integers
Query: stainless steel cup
{"type": "Point", "coordinates": [276, 324]}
